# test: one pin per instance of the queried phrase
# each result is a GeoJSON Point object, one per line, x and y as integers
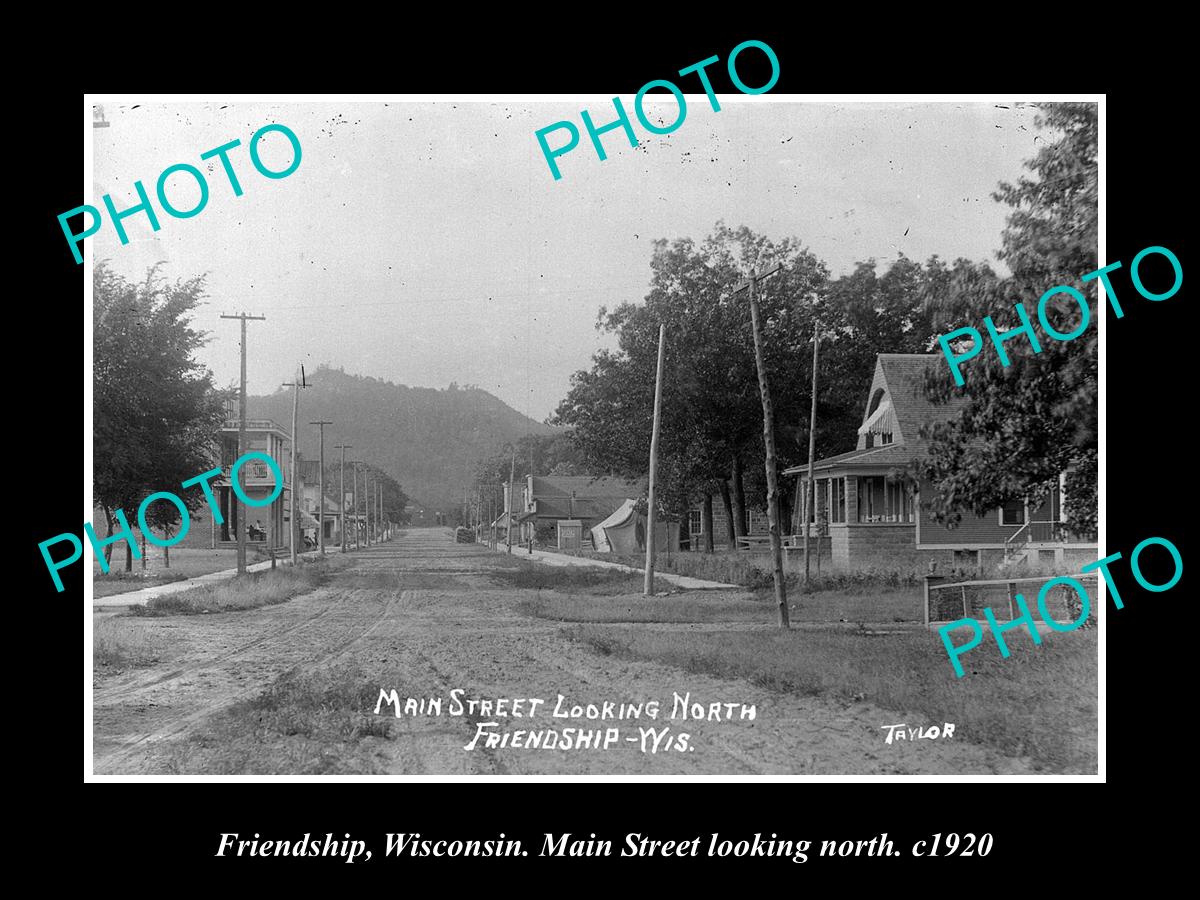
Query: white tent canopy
{"type": "Point", "coordinates": [624, 532]}
{"type": "Point", "coordinates": [622, 518]}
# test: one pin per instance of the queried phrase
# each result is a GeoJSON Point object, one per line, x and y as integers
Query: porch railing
{"type": "Point", "coordinates": [1041, 532]}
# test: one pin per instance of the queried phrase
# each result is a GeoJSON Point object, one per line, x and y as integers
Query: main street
{"type": "Point", "coordinates": [293, 688]}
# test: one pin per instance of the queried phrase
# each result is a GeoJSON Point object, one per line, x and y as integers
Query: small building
{"type": "Point", "coordinates": [868, 503]}
{"type": "Point", "coordinates": [310, 493]}
{"type": "Point", "coordinates": [757, 518]}
{"type": "Point", "coordinates": [542, 501]}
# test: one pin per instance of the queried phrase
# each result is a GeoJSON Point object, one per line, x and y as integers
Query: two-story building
{"type": "Point", "coordinates": [266, 525]}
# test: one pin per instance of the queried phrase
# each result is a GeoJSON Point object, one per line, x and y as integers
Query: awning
{"type": "Point", "coordinates": [882, 421]}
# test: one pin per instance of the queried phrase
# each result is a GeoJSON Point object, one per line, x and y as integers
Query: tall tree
{"type": "Point", "coordinates": [156, 413]}
{"type": "Point", "coordinates": [711, 409]}
{"type": "Point", "coordinates": [1026, 424]}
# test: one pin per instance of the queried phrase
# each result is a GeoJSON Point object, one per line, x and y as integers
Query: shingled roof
{"type": "Point", "coordinates": [904, 380]}
{"type": "Point", "coordinates": [901, 376]}
{"type": "Point", "coordinates": [594, 496]}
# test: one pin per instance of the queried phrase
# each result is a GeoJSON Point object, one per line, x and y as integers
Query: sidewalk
{"type": "Point", "coordinates": [683, 581]}
{"type": "Point", "coordinates": [140, 597]}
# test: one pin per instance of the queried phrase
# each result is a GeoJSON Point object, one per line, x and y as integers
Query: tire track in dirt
{"type": "Point", "coordinates": [116, 693]}
{"type": "Point", "coordinates": [168, 726]}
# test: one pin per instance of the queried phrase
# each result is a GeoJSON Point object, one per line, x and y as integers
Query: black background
{"type": "Point", "coordinates": [113, 827]}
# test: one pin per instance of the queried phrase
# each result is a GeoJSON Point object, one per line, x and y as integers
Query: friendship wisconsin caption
{"type": "Point", "coordinates": [635, 844]}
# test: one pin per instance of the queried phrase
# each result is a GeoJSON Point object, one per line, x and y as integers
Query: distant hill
{"type": "Point", "coordinates": [427, 438]}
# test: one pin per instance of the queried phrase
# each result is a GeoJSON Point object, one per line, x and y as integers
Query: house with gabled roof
{"type": "Point", "coordinates": [868, 507]}
{"type": "Point", "coordinates": [546, 500]}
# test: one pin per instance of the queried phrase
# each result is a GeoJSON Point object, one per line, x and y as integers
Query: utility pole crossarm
{"type": "Point", "coordinates": [758, 277]}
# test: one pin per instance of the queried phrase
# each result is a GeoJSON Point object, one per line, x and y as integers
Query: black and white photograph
{"type": "Point", "coordinates": [693, 432]}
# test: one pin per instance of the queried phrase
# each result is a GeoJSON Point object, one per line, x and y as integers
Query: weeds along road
{"type": "Point", "coordinates": [292, 689]}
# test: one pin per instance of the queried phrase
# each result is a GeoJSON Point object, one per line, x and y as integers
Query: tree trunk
{"type": "Point", "coordinates": [706, 522]}
{"type": "Point", "coordinates": [727, 502]}
{"type": "Point", "coordinates": [108, 519]}
{"type": "Point", "coordinates": [128, 556]}
{"type": "Point", "coordinates": [741, 520]}
{"type": "Point", "coordinates": [785, 511]}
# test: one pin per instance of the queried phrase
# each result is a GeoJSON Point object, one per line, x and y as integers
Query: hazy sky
{"type": "Point", "coordinates": [427, 243]}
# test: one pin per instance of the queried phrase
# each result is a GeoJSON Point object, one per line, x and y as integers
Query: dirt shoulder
{"type": "Point", "coordinates": [292, 689]}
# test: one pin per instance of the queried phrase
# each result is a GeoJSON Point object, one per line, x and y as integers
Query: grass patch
{"type": "Point", "coordinates": [722, 606]}
{"type": "Point", "coordinates": [568, 579]}
{"type": "Point", "coordinates": [124, 582]}
{"type": "Point", "coordinates": [687, 607]}
{"type": "Point", "coordinates": [245, 592]}
{"type": "Point", "coordinates": [753, 571]}
{"type": "Point", "coordinates": [119, 644]}
{"type": "Point", "coordinates": [1040, 702]}
{"type": "Point", "coordinates": [306, 723]}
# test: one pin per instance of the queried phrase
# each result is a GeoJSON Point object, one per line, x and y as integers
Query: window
{"type": "Point", "coordinates": [1013, 513]}
{"type": "Point", "coordinates": [837, 500]}
{"type": "Point", "coordinates": [885, 438]}
{"type": "Point", "coordinates": [695, 522]}
{"type": "Point", "coordinates": [867, 506]}
{"type": "Point", "coordinates": [898, 505]}
{"type": "Point", "coordinates": [966, 560]}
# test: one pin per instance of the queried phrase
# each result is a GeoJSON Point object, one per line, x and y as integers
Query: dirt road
{"type": "Point", "coordinates": [420, 615]}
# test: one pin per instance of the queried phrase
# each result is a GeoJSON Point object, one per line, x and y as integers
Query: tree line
{"type": "Point", "coordinates": [1020, 428]}
{"type": "Point", "coordinates": [156, 412]}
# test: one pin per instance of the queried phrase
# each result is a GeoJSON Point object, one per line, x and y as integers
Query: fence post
{"type": "Point", "coordinates": [930, 581]}
{"type": "Point", "coordinates": [1012, 611]}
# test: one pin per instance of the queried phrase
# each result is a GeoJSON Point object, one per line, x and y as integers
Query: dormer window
{"type": "Point", "coordinates": [880, 424]}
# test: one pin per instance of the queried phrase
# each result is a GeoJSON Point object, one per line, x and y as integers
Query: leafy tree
{"type": "Point", "coordinates": [1025, 424]}
{"type": "Point", "coordinates": [155, 411]}
{"type": "Point", "coordinates": [711, 439]}
{"type": "Point", "coordinates": [712, 416]}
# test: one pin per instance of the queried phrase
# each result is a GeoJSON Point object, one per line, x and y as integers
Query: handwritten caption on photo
{"type": "Point", "coordinates": [492, 735]}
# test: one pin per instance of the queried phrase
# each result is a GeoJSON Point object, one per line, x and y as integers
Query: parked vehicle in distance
{"type": "Point", "coordinates": [463, 535]}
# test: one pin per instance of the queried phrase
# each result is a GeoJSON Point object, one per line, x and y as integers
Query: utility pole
{"type": "Point", "coordinates": [769, 444]}
{"type": "Point", "coordinates": [342, 492]}
{"type": "Point", "coordinates": [239, 508]}
{"type": "Point", "coordinates": [321, 500]}
{"type": "Point", "coordinates": [295, 529]}
{"type": "Point", "coordinates": [512, 474]}
{"type": "Point", "coordinates": [651, 509]}
{"type": "Point", "coordinates": [811, 511]}
{"type": "Point", "coordinates": [354, 502]}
